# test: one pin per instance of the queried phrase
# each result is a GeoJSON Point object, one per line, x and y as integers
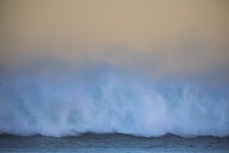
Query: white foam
{"type": "Point", "coordinates": [110, 104]}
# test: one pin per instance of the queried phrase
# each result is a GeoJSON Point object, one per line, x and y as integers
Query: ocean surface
{"type": "Point", "coordinates": [120, 143]}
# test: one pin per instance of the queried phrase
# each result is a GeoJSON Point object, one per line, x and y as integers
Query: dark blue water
{"type": "Point", "coordinates": [112, 143]}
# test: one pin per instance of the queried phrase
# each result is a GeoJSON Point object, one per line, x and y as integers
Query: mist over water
{"type": "Point", "coordinates": [103, 99]}
{"type": "Point", "coordinates": [118, 76]}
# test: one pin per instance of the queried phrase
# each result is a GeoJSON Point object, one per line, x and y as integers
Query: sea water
{"type": "Point", "coordinates": [119, 143]}
{"type": "Point", "coordinates": [143, 111]}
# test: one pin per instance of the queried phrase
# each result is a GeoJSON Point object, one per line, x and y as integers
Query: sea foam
{"type": "Point", "coordinates": [105, 102]}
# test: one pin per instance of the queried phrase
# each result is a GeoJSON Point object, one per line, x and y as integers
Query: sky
{"type": "Point", "coordinates": [159, 37]}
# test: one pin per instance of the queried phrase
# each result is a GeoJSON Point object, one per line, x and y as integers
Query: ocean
{"type": "Point", "coordinates": [119, 143]}
{"type": "Point", "coordinates": [105, 111]}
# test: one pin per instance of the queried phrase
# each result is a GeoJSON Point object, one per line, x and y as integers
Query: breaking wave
{"type": "Point", "coordinates": [105, 102]}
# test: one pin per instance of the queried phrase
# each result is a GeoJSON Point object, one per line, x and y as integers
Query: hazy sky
{"type": "Point", "coordinates": [160, 36]}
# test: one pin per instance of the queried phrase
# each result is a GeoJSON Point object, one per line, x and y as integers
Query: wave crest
{"type": "Point", "coordinates": [109, 103]}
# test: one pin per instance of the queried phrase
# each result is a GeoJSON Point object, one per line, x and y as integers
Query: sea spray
{"type": "Point", "coordinates": [109, 102]}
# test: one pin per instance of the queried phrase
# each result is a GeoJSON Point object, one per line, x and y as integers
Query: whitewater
{"type": "Point", "coordinates": [107, 102]}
